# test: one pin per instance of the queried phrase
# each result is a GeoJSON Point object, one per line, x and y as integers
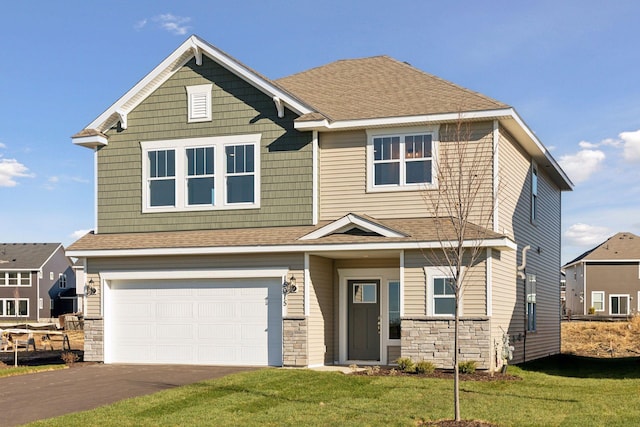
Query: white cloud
{"type": "Point", "coordinates": [631, 141]}
{"type": "Point", "coordinates": [140, 24]}
{"type": "Point", "coordinates": [51, 183]}
{"type": "Point", "coordinates": [586, 235]}
{"type": "Point", "coordinates": [10, 169]}
{"type": "Point", "coordinates": [173, 24]}
{"type": "Point", "coordinates": [2, 145]}
{"type": "Point", "coordinates": [79, 233]}
{"type": "Point", "coordinates": [583, 164]}
{"type": "Point", "coordinates": [587, 145]}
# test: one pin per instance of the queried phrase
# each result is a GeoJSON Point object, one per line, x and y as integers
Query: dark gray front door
{"type": "Point", "coordinates": [364, 315]}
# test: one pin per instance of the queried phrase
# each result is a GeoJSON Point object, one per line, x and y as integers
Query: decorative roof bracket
{"type": "Point", "coordinates": [197, 53]}
{"type": "Point", "coordinates": [279, 106]}
{"type": "Point", "coordinates": [123, 118]}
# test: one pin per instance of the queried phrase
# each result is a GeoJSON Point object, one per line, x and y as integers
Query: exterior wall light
{"type": "Point", "coordinates": [289, 287]}
{"type": "Point", "coordinates": [89, 289]}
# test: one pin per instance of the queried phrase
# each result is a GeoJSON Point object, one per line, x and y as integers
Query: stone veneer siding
{"type": "Point", "coordinates": [93, 340]}
{"type": "Point", "coordinates": [431, 339]}
{"type": "Point", "coordinates": [294, 345]}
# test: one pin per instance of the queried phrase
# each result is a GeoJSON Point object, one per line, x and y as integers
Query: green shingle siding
{"type": "Point", "coordinates": [238, 108]}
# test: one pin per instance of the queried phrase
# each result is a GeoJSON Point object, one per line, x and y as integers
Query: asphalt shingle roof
{"type": "Point", "coordinates": [621, 246]}
{"type": "Point", "coordinates": [416, 229]}
{"type": "Point", "coordinates": [28, 256]}
{"type": "Point", "coordinates": [380, 86]}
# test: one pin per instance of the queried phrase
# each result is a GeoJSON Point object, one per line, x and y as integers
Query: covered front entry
{"type": "Point", "coordinates": [369, 301]}
{"type": "Point", "coordinates": [364, 319]}
{"type": "Point", "coordinates": [202, 322]}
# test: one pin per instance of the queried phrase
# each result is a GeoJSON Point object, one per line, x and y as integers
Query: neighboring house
{"type": "Point", "coordinates": [606, 279]}
{"type": "Point", "coordinates": [218, 188]}
{"type": "Point", "coordinates": [37, 282]}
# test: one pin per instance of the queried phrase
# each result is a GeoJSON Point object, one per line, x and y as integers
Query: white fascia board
{"type": "Point", "coordinates": [51, 255]}
{"type": "Point", "coordinates": [355, 220]}
{"type": "Point", "coordinates": [499, 244]}
{"type": "Point", "coordinates": [191, 47]}
{"type": "Point", "coordinates": [591, 261]}
{"type": "Point", "coordinates": [532, 136]}
{"type": "Point", "coordinates": [210, 273]}
{"type": "Point", "coordinates": [400, 121]}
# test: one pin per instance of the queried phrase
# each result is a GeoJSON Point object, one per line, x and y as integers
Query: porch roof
{"type": "Point", "coordinates": [415, 233]}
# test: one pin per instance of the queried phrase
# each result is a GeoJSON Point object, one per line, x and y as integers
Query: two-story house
{"type": "Point", "coordinates": [605, 280]}
{"type": "Point", "coordinates": [249, 221]}
{"type": "Point", "coordinates": [37, 282]}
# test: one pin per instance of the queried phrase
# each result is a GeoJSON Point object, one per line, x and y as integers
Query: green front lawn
{"type": "Point", "coordinates": [22, 370]}
{"type": "Point", "coordinates": [563, 391]}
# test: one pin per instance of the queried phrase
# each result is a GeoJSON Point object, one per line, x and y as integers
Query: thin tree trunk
{"type": "Point", "coordinates": [456, 373]}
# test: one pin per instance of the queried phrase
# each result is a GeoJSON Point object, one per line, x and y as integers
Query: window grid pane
{"type": "Point", "coordinates": [394, 310]}
{"type": "Point", "coordinates": [240, 178]}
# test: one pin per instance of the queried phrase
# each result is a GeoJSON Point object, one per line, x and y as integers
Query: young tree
{"type": "Point", "coordinates": [463, 205]}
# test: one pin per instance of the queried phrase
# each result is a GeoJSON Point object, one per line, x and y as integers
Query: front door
{"type": "Point", "coordinates": [364, 319]}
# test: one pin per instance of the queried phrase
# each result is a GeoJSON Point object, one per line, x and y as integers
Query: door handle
{"type": "Point", "coordinates": [378, 325]}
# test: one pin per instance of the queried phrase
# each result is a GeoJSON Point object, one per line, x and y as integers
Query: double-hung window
{"type": "Point", "coordinates": [597, 300]}
{"type": "Point", "coordinates": [200, 176]}
{"type": "Point", "coordinates": [401, 159]}
{"type": "Point", "coordinates": [162, 178]}
{"type": "Point", "coordinates": [444, 296]}
{"type": "Point", "coordinates": [534, 192]}
{"type": "Point", "coordinates": [210, 173]}
{"type": "Point", "coordinates": [15, 278]}
{"type": "Point", "coordinates": [531, 302]}
{"type": "Point", "coordinates": [240, 173]}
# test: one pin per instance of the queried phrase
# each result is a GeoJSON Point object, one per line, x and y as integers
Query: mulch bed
{"type": "Point", "coordinates": [439, 373]}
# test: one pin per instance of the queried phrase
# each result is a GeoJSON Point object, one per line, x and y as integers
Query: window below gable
{"type": "Point", "coordinates": [401, 159]}
{"type": "Point", "coordinates": [201, 174]}
{"type": "Point", "coordinates": [199, 103]}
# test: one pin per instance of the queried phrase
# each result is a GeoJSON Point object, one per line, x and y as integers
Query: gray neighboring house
{"type": "Point", "coordinates": [37, 282]}
{"type": "Point", "coordinates": [605, 281]}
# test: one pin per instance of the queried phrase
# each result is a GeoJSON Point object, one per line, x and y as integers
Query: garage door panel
{"type": "Point", "coordinates": [216, 310]}
{"type": "Point", "coordinates": [230, 322]}
{"type": "Point", "coordinates": [174, 310]}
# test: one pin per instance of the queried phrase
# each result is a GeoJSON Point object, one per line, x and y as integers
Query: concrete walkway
{"type": "Point", "coordinates": [32, 397]}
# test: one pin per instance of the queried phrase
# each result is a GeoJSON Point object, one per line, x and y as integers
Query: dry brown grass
{"type": "Point", "coordinates": [602, 339]}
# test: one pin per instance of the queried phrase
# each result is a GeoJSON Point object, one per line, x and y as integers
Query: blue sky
{"type": "Point", "coordinates": [569, 68]}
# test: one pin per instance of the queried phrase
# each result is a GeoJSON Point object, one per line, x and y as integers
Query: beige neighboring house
{"type": "Point", "coordinates": [249, 221]}
{"type": "Point", "coordinates": [605, 281]}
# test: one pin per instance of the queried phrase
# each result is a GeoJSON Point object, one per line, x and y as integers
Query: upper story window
{"type": "Point", "coordinates": [534, 192]}
{"type": "Point", "coordinates": [201, 174]}
{"type": "Point", "coordinates": [15, 278]}
{"type": "Point", "coordinates": [401, 159]}
{"type": "Point", "coordinates": [62, 281]}
{"type": "Point", "coordinates": [199, 103]}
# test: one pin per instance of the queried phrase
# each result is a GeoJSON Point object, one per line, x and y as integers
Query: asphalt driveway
{"type": "Point", "coordinates": [32, 397]}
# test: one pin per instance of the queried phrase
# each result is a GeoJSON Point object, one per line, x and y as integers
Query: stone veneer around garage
{"type": "Point", "coordinates": [294, 341]}
{"type": "Point", "coordinates": [93, 340]}
{"type": "Point", "coordinates": [431, 339]}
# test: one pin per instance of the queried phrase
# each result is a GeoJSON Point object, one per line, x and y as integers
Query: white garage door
{"type": "Point", "coordinates": [203, 322]}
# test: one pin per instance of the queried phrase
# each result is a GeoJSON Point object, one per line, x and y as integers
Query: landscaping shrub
{"type": "Point", "coordinates": [405, 364]}
{"type": "Point", "coordinates": [69, 357]}
{"type": "Point", "coordinates": [468, 367]}
{"type": "Point", "coordinates": [424, 367]}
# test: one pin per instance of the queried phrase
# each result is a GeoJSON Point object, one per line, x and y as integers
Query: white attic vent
{"type": "Point", "coordinates": [199, 101]}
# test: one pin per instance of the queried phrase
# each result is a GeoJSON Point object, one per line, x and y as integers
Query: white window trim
{"type": "Point", "coordinates": [180, 146]}
{"type": "Point", "coordinates": [195, 91]}
{"type": "Point", "coordinates": [62, 280]}
{"type": "Point", "coordinates": [387, 322]}
{"type": "Point", "coordinates": [603, 300]}
{"type": "Point", "coordinates": [376, 133]}
{"type": "Point", "coordinates": [20, 273]}
{"type": "Point", "coordinates": [3, 302]}
{"type": "Point", "coordinates": [535, 199]}
{"type": "Point", "coordinates": [619, 296]}
{"type": "Point", "coordinates": [375, 294]}
{"type": "Point", "coordinates": [435, 273]}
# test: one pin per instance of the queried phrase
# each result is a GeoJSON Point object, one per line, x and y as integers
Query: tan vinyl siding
{"type": "Point", "coordinates": [415, 285]}
{"type": "Point", "coordinates": [295, 263]}
{"type": "Point", "coordinates": [343, 173]}
{"type": "Point", "coordinates": [617, 278]}
{"type": "Point", "coordinates": [92, 308]}
{"type": "Point", "coordinates": [515, 220]}
{"type": "Point", "coordinates": [320, 320]}
{"type": "Point", "coordinates": [238, 108]}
